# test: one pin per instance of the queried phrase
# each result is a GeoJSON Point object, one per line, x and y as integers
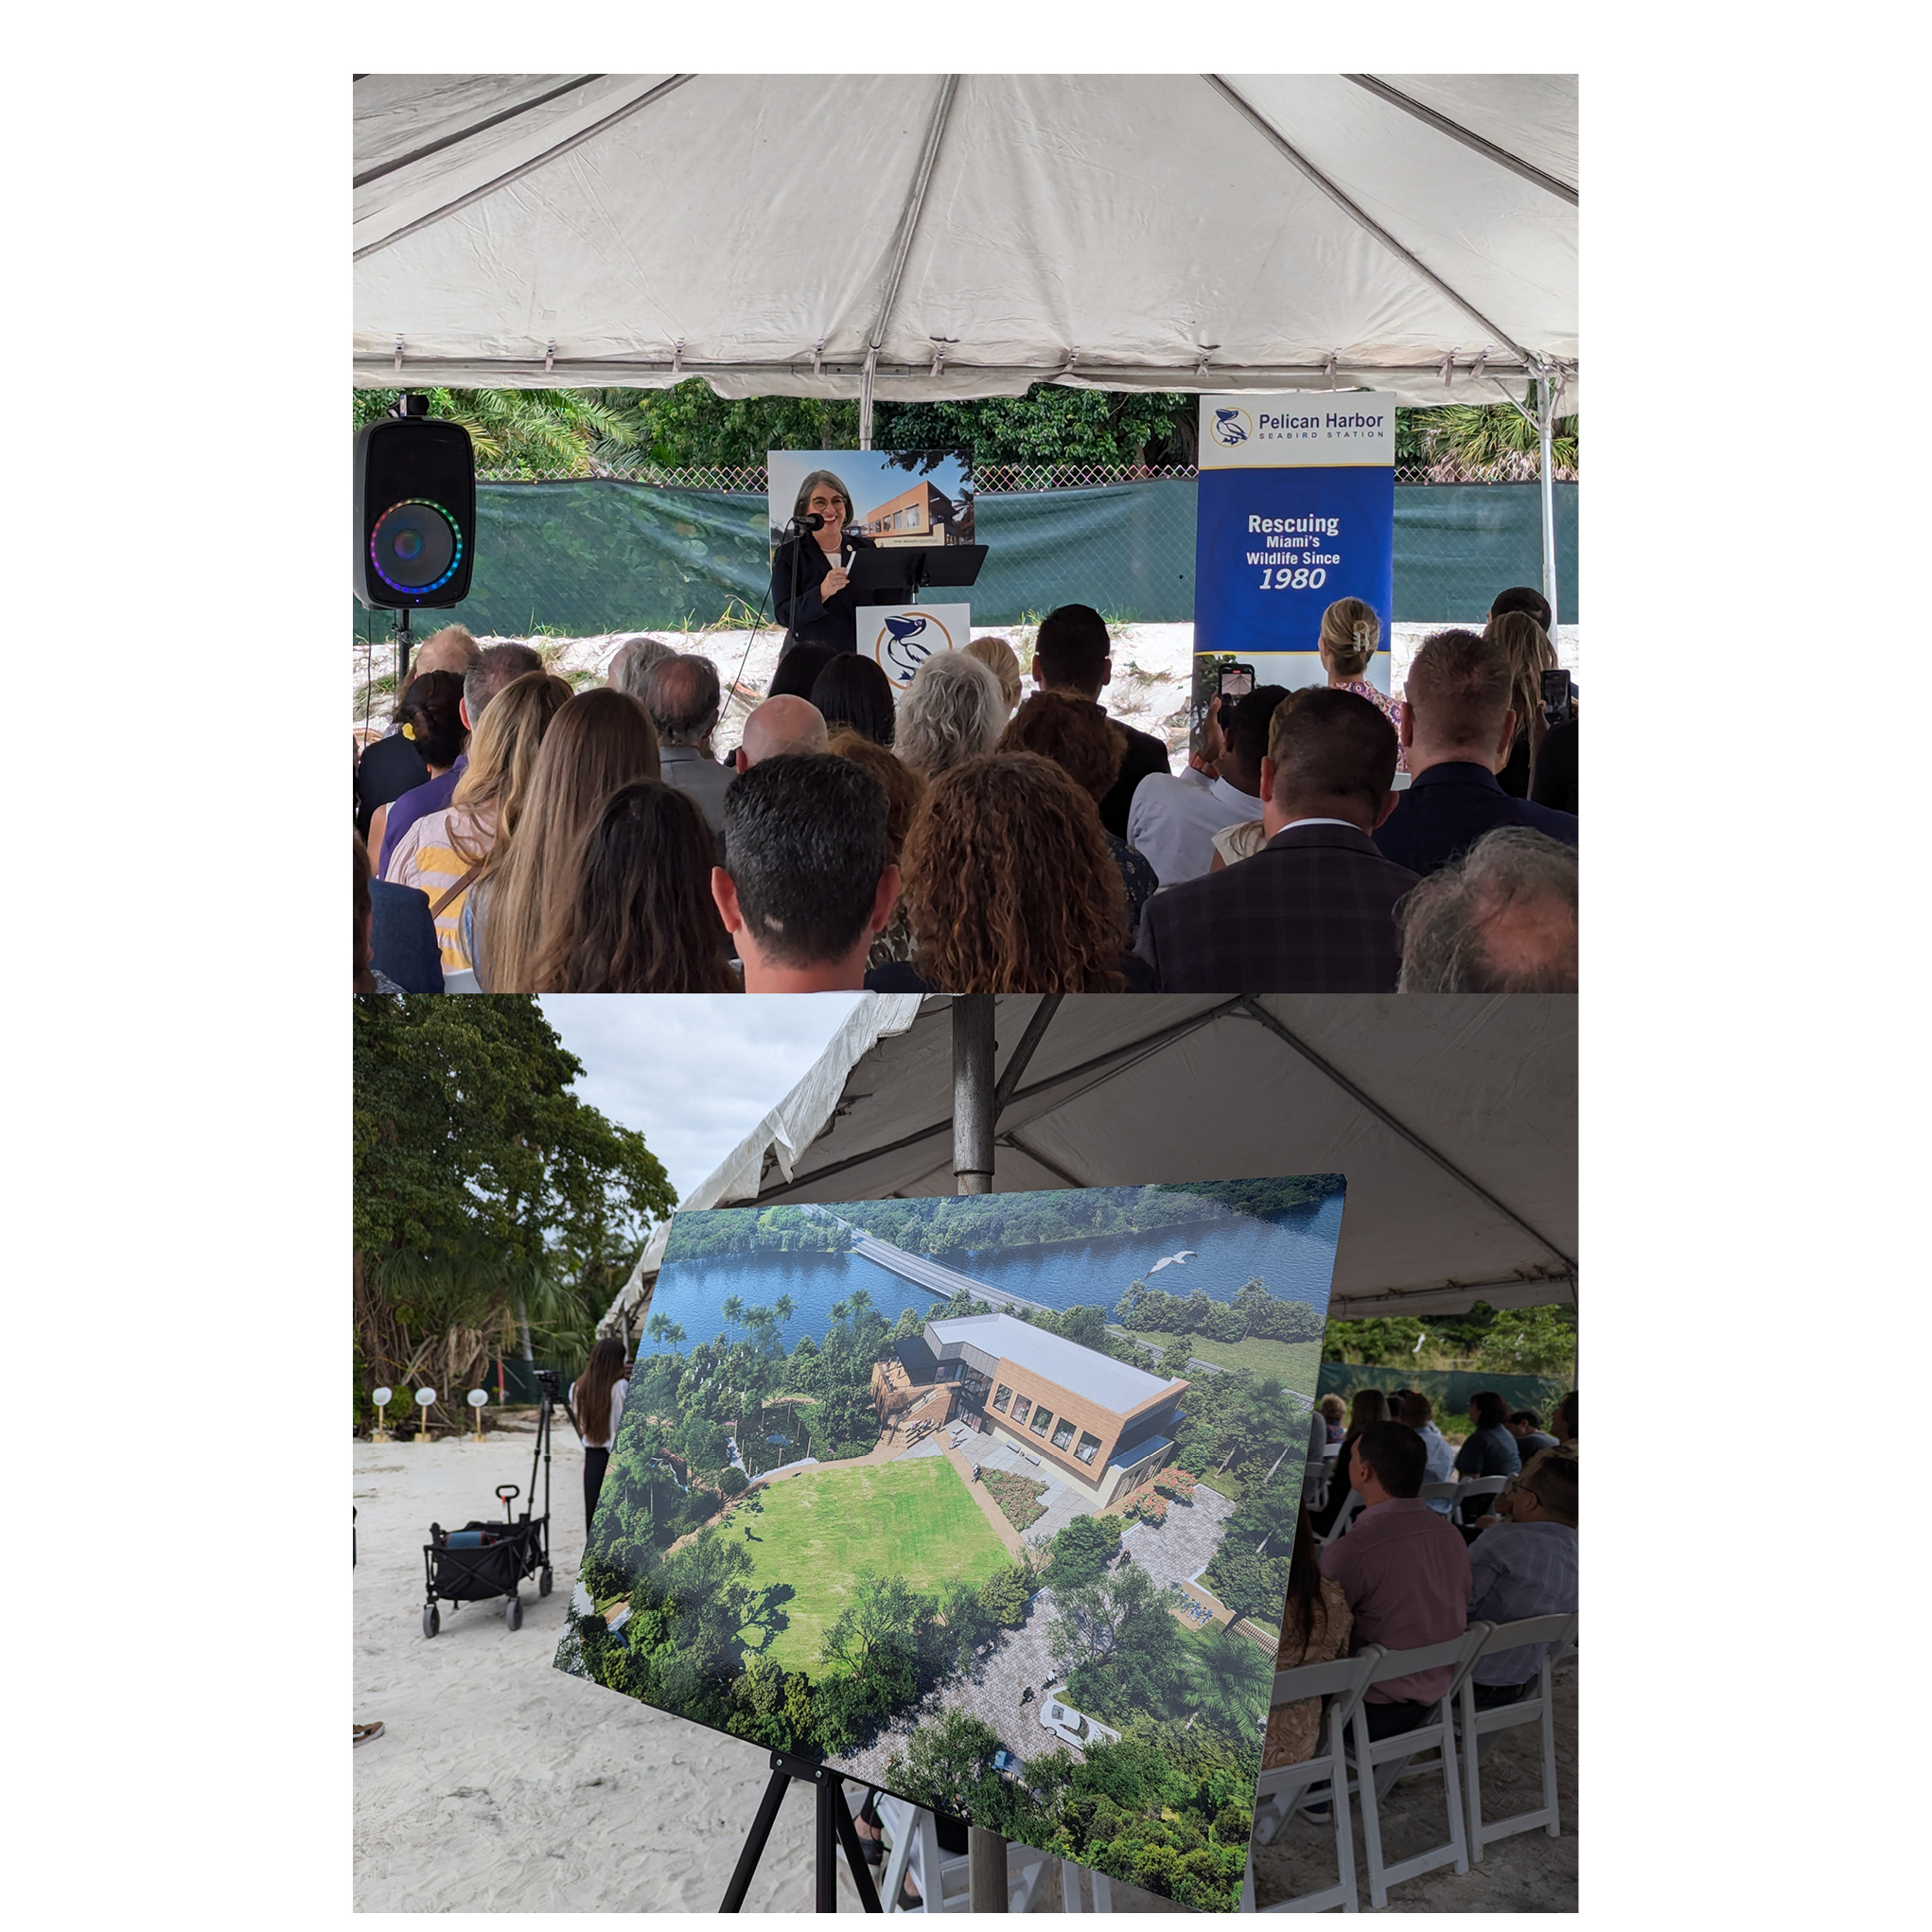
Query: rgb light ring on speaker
{"type": "Point", "coordinates": [441, 529]}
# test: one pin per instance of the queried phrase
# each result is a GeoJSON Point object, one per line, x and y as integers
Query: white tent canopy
{"type": "Point", "coordinates": [907, 235]}
{"type": "Point", "coordinates": [1453, 1117]}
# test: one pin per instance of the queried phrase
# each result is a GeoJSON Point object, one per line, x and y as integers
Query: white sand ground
{"type": "Point", "coordinates": [1148, 691]}
{"type": "Point", "coordinates": [500, 1785]}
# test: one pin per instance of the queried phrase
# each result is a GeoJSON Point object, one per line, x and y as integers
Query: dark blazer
{"type": "Point", "coordinates": [1312, 911]}
{"type": "Point", "coordinates": [1554, 784]}
{"type": "Point", "coordinates": [402, 936]}
{"type": "Point", "coordinates": [1449, 807]}
{"type": "Point", "coordinates": [1144, 755]}
{"type": "Point", "coordinates": [386, 771]}
{"type": "Point", "coordinates": [816, 620]}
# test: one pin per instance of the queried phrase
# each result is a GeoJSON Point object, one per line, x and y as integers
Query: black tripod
{"type": "Point", "coordinates": [835, 1829]}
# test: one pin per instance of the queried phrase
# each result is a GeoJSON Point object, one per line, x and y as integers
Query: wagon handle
{"type": "Point", "coordinates": [506, 1494]}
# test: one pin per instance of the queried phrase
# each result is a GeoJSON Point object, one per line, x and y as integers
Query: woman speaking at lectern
{"type": "Point", "coordinates": [825, 611]}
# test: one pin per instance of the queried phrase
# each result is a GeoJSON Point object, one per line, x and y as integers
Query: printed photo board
{"type": "Point", "coordinates": [897, 496]}
{"type": "Point", "coordinates": [986, 1500]}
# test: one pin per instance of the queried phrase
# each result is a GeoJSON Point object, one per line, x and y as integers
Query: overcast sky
{"type": "Point", "coordinates": [694, 1073]}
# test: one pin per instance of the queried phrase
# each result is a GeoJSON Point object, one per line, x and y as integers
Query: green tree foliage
{"type": "Point", "coordinates": [945, 1765]}
{"type": "Point", "coordinates": [1253, 1311]}
{"type": "Point", "coordinates": [1049, 424]}
{"type": "Point", "coordinates": [1004, 1595]}
{"type": "Point", "coordinates": [482, 1184]}
{"type": "Point", "coordinates": [1118, 1644]}
{"type": "Point", "coordinates": [1082, 1552]}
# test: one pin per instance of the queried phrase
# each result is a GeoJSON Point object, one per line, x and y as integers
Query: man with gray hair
{"type": "Point", "coordinates": [1503, 919]}
{"type": "Point", "coordinates": [632, 664]}
{"type": "Point", "coordinates": [489, 670]}
{"type": "Point", "coordinates": [781, 724]}
{"type": "Point", "coordinates": [681, 694]}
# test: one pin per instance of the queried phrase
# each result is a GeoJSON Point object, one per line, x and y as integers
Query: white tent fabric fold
{"type": "Point", "coordinates": [967, 235]}
{"type": "Point", "coordinates": [1453, 1117]}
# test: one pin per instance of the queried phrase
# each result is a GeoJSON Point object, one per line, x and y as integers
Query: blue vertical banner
{"type": "Point", "coordinates": [1297, 507]}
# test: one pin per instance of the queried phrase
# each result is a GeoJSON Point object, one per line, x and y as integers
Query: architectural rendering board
{"type": "Point", "coordinates": [986, 1500]}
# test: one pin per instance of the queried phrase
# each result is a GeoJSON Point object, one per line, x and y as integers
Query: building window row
{"type": "Point", "coordinates": [1041, 1418]}
{"type": "Point", "coordinates": [1088, 1448]}
{"type": "Point", "coordinates": [1001, 1397]}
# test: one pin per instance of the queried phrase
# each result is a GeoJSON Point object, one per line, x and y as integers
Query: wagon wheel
{"type": "Point", "coordinates": [512, 1613]}
{"type": "Point", "coordinates": [543, 1582]}
{"type": "Point", "coordinates": [431, 1620]}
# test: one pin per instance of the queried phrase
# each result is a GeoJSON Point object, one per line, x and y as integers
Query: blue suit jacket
{"type": "Point", "coordinates": [1449, 807]}
{"type": "Point", "coordinates": [402, 936]}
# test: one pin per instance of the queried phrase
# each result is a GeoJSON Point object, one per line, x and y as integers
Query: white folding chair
{"type": "Point", "coordinates": [1480, 1727]}
{"type": "Point", "coordinates": [1070, 1887]}
{"type": "Point", "coordinates": [1379, 1763]}
{"type": "Point", "coordinates": [1440, 1492]}
{"type": "Point", "coordinates": [944, 1879]}
{"type": "Point", "coordinates": [1281, 1792]}
{"type": "Point", "coordinates": [1340, 1525]}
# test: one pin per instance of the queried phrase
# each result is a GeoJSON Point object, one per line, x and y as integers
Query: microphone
{"type": "Point", "coordinates": [813, 521]}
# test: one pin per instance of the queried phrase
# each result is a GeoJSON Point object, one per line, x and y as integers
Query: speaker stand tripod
{"type": "Point", "coordinates": [402, 649]}
{"type": "Point", "coordinates": [835, 1829]}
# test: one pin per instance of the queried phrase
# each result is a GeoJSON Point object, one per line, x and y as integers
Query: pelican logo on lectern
{"type": "Point", "coordinates": [906, 641]}
{"type": "Point", "coordinates": [1232, 427]}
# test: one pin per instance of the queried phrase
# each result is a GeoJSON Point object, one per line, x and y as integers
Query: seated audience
{"type": "Point", "coordinates": [1012, 889]}
{"type": "Point", "coordinates": [1404, 1570]}
{"type": "Point", "coordinates": [998, 656]}
{"type": "Point", "coordinates": [1527, 1426]}
{"type": "Point", "coordinates": [367, 978]}
{"type": "Point", "coordinates": [1532, 603]}
{"type": "Point", "coordinates": [1350, 633]}
{"type": "Point", "coordinates": [951, 712]}
{"type": "Point", "coordinates": [799, 668]}
{"type": "Point", "coordinates": [779, 724]}
{"type": "Point", "coordinates": [1315, 1627]}
{"type": "Point", "coordinates": [1530, 654]}
{"type": "Point", "coordinates": [681, 694]}
{"type": "Point", "coordinates": [1074, 655]}
{"type": "Point", "coordinates": [1501, 919]}
{"type": "Point", "coordinates": [1315, 910]}
{"type": "Point", "coordinates": [805, 887]}
{"type": "Point", "coordinates": [1554, 780]}
{"type": "Point", "coordinates": [432, 721]}
{"type": "Point", "coordinates": [632, 664]}
{"type": "Point", "coordinates": [393, 766]}
{"type": "Point", "coordinates": [1370, 1405]}
{"type": "Point", "coordinates": [1334, 1412]}
{"type": "Point", "coordinates": [631, 910]}
{"type": "Point", "coordinates": [1174, 820]}
{"type": "Point", "coordinates": [903, 789]}
{"type": "Point", "coordinates": [1523, 1567]}
{"type": "Point", "coordinates": [1489, 1449]}
{"type": "Point", "coordinates": [853, 691]}
{"type": "Point", "coordinates": [1418, 1411]}
{"type": "Point", "coordinates": [1457, 725]}
{"type": "Point", "coordinates": [448, 854]}
{"type": "Point", "coordinates": [600, 740]}
{"type": "Point", "coordinates": [1080, 738]}
{"type": "Point", "coordinates": [1563, 1420]}
{"type": "Point", "coordinates": [494, 668]}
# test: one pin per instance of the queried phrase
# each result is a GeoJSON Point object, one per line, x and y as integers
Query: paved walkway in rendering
{"type": "Point", "coordinates": [1181, 1545]}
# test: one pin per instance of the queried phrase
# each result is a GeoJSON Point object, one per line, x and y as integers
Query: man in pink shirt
{"type": "Point", "coordinates": [1404, 1569]}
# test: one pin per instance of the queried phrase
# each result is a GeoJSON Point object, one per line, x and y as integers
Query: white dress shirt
{"type": "Point", "coordinates": [1172, 821]}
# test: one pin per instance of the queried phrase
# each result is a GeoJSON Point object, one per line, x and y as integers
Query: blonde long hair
{"type": "Point", "coordinates": [1530, 655]}
{"type": "Point", "coordinates": [1350, 632]}
{"type": "Point", "coordinates": [502, 754]}
{"type": "Point", "coordinates": [600, 740]}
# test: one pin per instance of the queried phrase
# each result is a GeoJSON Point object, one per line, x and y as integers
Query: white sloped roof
{"type": "Point", "coordinates": [1116, 1385]}
{"type": "Point", "coordinates": [1114, 231]}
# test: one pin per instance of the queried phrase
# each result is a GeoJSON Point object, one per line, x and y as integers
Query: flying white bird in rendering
{"type": "Point", "coordinates": [1173, 1260]}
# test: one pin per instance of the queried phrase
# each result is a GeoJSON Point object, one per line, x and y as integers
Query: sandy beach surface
{"type": "Point", "coordinates": [500, 1785]}
{"type": "Point", "coordinates": [1148, 691]}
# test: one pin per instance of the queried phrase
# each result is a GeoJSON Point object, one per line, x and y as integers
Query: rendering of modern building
{"type": "Point", "coordinates": [923, 514]}
{"type": "Point", "coordinates": [1100, 1424]}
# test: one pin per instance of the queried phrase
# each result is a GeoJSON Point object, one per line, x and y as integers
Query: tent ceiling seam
{"type": "Point", "coordinates": [1361, 215]}
{"type": "Point", "coordinates": [1256, 1011]}
{"type": "Point", "coordinates": [529, 167]}
{"type": "Point", "coordinates": [1033, 1154]}
{"type": "Point", "coordinates": [495, 120]}
{"type": "Point", "coordinates": [914, 206]}
{"type": "Point", "coordinates": [1036, 1031]}
{"type": "Point", "coordinates": [1467, 137]}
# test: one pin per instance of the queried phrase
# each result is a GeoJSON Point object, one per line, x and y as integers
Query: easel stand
{"type": "Point", "coordinates": [835, 1829]}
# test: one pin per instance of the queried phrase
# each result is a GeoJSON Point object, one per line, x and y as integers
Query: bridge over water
{"type": "Point", "coordinates": [928, 1274]}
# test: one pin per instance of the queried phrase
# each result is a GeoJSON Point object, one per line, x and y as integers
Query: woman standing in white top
{"type": "Point", "coordinates": [597, 1400]}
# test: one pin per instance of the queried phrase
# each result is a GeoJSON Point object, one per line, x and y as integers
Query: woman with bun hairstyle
{"type": "Point", "coordinates": [429, 718]}
{"type": "Point", "coordinates": [1350, 632]}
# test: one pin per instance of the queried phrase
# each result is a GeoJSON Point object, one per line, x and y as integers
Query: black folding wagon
{"type": "Point", "coordinates": [485, 1560]}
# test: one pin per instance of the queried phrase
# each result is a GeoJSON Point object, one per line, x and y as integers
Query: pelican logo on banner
{"type": "Point", "coordinates": [1295, 508]}
{"type": "Point", "coordinates": [900, 638]}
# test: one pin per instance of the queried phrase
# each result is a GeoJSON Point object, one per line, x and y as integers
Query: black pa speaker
{"type": "Point", "coordinates": [416, 514]}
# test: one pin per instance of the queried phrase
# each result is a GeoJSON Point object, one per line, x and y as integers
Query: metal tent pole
{"type": "Point", "coordinates": [973, 1123]}
{"type": "Point", "coordinates": [1546, 430]}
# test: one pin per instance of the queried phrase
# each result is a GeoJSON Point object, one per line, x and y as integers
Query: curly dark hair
{"type": "Point", "coordinates": [635, 911]}
{"type": "Point", "coordinates": [1073, 732]}
{"type": "Point", "coordinates": [1010, 884]}
{"type": "Point", "coordinates": [903, 786]}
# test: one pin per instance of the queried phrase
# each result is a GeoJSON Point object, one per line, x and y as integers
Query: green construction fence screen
{"type": "Point", "coordinates": [576, 559]}
{"type": "Point", "coordinates": [1448, 1389]}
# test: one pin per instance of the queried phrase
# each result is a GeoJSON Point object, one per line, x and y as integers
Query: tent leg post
{"type": "Point", "coordinates": [1546, 430]}
{"type": "Point", "coordinates": [973, 1094]}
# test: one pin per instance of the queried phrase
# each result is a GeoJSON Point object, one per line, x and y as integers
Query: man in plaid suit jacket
{"type": "Point", "coordinates": [1313, 911]}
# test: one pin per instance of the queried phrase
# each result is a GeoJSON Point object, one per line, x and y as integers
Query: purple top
{"type": "Point", "coordinates": [419, 803]}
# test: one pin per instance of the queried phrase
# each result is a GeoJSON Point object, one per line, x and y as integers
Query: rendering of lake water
{"type": "Point", "coordinates": [1295, 1257]}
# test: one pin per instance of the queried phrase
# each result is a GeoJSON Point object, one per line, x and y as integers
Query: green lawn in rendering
{"type": "Point", "coordinates": [1298, 1363]}
{"type": "Point", "coordinates": [818, 1530]}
